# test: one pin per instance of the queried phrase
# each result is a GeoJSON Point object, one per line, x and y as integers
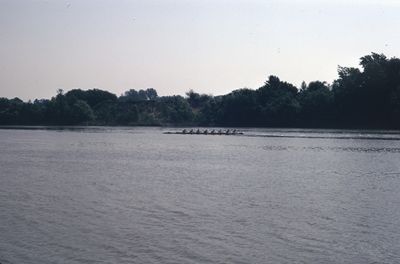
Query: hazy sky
{"type": "Point", "coordinates": [211, 46]}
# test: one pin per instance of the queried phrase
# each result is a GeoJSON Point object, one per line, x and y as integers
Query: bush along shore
{"type": "Point", "coordinates": [364, 97]}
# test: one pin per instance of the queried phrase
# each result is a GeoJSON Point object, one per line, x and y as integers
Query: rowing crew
{"type": "Point", "coordinates": [212, 132]}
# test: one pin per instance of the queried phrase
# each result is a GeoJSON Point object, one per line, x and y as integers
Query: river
{"type": "Point", "coordinates": [136, 195]}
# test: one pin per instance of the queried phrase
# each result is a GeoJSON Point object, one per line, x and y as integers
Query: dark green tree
{"type": "Point", "coordinates": [278, 103]}
{"type": "Point", "coordinates": [81, 112]}
{"type": "Point", "coordinates": [316, 104]}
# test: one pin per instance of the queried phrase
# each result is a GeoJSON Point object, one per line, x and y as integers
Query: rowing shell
{"type": "Point", "coordinates": [205, 134]}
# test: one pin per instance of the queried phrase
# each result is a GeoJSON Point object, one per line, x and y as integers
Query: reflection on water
{"type": "Point", "coordinates": [135, 195]}
{"type": "Point", "coordinates": [337, 149]}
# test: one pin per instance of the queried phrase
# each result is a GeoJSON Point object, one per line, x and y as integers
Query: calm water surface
{"type": "Point", "coordinates": [135, 195]}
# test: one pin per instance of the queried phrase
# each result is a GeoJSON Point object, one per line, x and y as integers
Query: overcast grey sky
{"type": "Point", "coordinates": [211, 46]}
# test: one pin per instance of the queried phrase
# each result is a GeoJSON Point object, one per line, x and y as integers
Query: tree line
{"type": "Point", "coordinates": [365, 97]}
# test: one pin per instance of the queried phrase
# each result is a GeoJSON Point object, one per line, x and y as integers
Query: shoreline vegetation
{"type": "Point", "coordinates": [365, 97]}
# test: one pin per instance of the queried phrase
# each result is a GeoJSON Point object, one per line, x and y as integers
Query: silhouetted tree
{"type": "Point", "coordinates": [151, 94]}
{"type": "Point", "coordinates": [316, 101]}
{"type": "Point", "coordinates": [92, 97]}
{"type": "Point", "coordinates": [368, 97]}
{"type": "Point", "coordinates": [175, 109]}
{"type": "Point", "coordinates": [81, 112]}
{"type": "Point", "coordinates": [278, 102]}
{"type": "Point", "coordinates": [239, 108]}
